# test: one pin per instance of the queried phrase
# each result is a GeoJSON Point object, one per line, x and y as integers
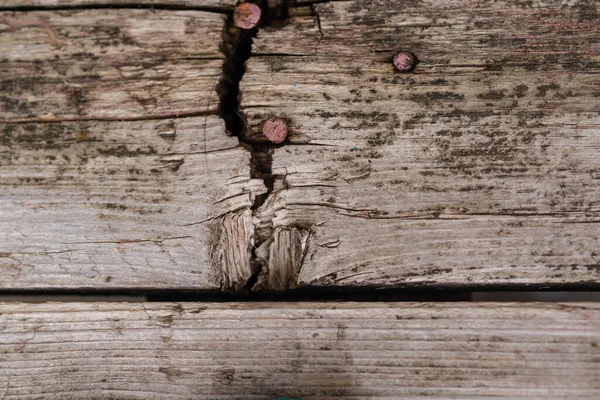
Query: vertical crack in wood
{"type": "Point", "coordinates": [235, 266]}
{"type": "Point", "coordinates": [272, 266]}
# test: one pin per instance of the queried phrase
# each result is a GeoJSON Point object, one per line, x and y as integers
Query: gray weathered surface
{"type": "Point", "coordinates": [333, 350]}
{"type": "Point", "coordinates": [115, 170]}
{"type": "Point", "coordinates": [479, 168]}
{"type": "Point", "coordinates": [108, 64]}
{"type": "Point", "coordinates": [120, 204]}
{"type": "Point", "coordinates": [208, 4]}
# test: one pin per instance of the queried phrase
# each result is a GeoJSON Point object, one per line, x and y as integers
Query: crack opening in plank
{"type": "Point", "coordinates": [237, 47]}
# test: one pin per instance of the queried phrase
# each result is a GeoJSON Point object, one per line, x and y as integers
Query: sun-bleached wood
{"type": "Point", "coordinates": [115, 170]}
{"type": "Point", "coordinates": [216, 5]}
{"type": "Point", "coordinates": [309, 351]}
{"type": "Point", "coordinates": [479, 168]}
{"type": "Point", "coordinates": [108, 64]}
{"type": "Point", "coordinates": [122, 204]}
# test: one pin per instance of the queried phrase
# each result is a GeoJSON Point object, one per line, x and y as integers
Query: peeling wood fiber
{"type": "Point", "coordinates": [286, 250]}
{"type": "Point", "coordinates": [231, 250]}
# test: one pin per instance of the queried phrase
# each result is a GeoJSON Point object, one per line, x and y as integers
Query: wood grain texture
{"type": "Point", "coordinates": [108, 64]}
{"type": "Point", "coordinates": [115, 170]}
{"type": "Point", "coordinates": [122, 204]}
{"type": "Point", "coordinates": [308, 351]}
{"type": "Point", "coordinates": [479, 168]}
{"type": "Point", "coordinates": [210, 5]}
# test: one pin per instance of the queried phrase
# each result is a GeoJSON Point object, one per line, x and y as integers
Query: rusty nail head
{"type": "Point", "coordinates": [404, 61]}
{"type": "Point", "coordinates": [246, 15]}
{"type": "Point", "coordinates": [275, 129]}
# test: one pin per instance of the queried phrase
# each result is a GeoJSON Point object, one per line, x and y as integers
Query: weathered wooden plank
{"type": "Point", "coordinates": [121, 204]}
{"type": "Point", "coordinates": [196, 4]}
{"type": "Point", "coordinates": [478, 168]}
{"type": "Point", "coordinates": [334, 350]}
{"type": "Point", "coordinates": [117, 64]}
{"type": "Point", "coordinates": [115, 169]}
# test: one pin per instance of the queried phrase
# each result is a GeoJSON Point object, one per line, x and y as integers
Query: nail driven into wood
{"type": "Point", "coordinates": [404, 61]}
{"type": "Point", "coordinates": [275, 129]}
{"type": "Point", "coordinates": [246, 15]}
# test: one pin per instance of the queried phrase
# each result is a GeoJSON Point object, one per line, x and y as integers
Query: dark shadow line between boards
{"type": "Point", "coordinates": [501, 293]}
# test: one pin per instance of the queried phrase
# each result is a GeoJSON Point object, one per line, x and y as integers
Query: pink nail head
{"type": "Point", "coordinates": [275, 129]}
{"type": "Point", "coordinates": [404, 62]}
{"type": "Point", "coordinates": [246, 15]}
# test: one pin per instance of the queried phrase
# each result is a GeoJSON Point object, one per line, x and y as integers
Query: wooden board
{"type": "Point", "coordinates": [122, 204]}
{"type": "Point", "coordinates": [115, 170]}
{"type": "Point", "coordinates": [476, 170]}
{"type": "Point", "coordinates": [308, 351]}
{"type": "Point", "coordinates": [109, 64]}
{"type": "Point", "coordinates": [214, 5]}
{"type": "Point", "coordinates": [479, 168]}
